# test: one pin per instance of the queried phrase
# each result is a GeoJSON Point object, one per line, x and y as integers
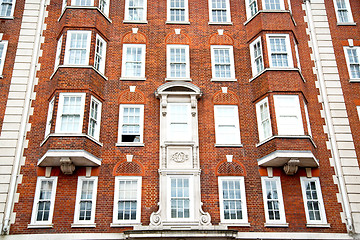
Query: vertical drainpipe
{"type": "Point", "coordinates": [24, 120]}
{"type": "Point", "coordinates": [329, 122]}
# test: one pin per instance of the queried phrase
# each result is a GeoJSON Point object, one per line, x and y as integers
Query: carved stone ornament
{"type": "Point", "coordinates": [155, 218]}
{"type": "Point", "coordinates": [66, 166]}
{"type": "Point", "coordinates": [291, 167]}
{"type": "Point", "coordinates": [205, 218]}
{"type": "Point", "coordinates": [179, 157]}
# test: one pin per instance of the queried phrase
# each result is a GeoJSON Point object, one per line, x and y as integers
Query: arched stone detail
{"type": "Point", "coordinates": [234, 168]}
{"type": "Point", "coordinates": [136, 97]}
{"type": "Point", "coordinates": [125, 168]}
{"type": "Point", "coordinates": [228, 98]}
{"type": "Point", "coordinates": [224, 39]}
{"type": "Point", "coordinates": [177, 39]}
{"type": "Point", "coordinates": [131, 37]}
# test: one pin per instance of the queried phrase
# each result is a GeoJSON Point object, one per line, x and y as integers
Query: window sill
{"type": "Point", "coordinates": [223, 80]}
{"type": "Point", "coordinates": [71, 135]}
{"type": "Point", "coordinates": [85, 7]}
{"type": "Point", "coordinates": [178, 79]}
{"type": "Point", "coordinates": [354, 80]}
{"type": "Point", "coordinates": [83, 225]}
{"type": "Point", "coordinates": [180, 23]}
{"type": "Point", "coordinates": [279, 69]}
{"type": "Point", "coordinates": [220, 23]}
{"type": "Point", "coordinates": [276, 225]}
{"type": "Point", "coordinates": [124, 224]}
{"type": "Point", "coordinates": [228, 145]}
{"type": "Point", "coordinates": [129, 144]}
{"type": "Point", "coordinates": [39, 225]}
{"type": "Point", "coordinates": [234, 224]}
{"type": "Point", "coordinates": [7, 18]}
{"type": "Point", "coordinates": [318, 225]}
{"type": "Point", "coordinates": [286, 136]}
{"type": "Point", "coordinates": [133, 78]}
{"type": "Point", "coordinates": [135, 21]}
{"type": "Point", "coordinates": [346, 24]}
{"type": "Point", "coordinates": [79, 66]}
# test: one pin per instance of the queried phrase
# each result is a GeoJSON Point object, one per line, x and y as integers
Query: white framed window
{"type": "Point", "coordinates": [133, 62]}
{"type": "Point", "coordinates": [85, 200]}
{"type": "Point", "coordinates": [232, 200]}
{"type": "Point", "coordinates": [49, 116]}
{"type": "Point", "coordinates": [263, 119]}
{"type": "Point", "coordinates": [104, 6]}
{"type": "Point", "coordinates": [219, 11]}
{"type": "Point", "coordinates": [279, 50]}
{"type": "Point", "coordinates": [307, 119]}
{"type": "Point", "coordinates": [256, 54]}
{"type": "Point", "coordinates": [178, 62]}
{"type": "Point", "coordinates": [70, 113]}
{"type": "Point", "coordinates": [313, 200]}
{"type": "Point", "coordinates": [352, 59]}
{"type": "Point", "coordinates": [343, 11]}
{"type": "Point", "coordinates": [227, 130]}
{"type": "Point", "coordinates": [82, 3]}
{"type": "Point", "coordinates": [77, 48]}
{"type": "Point", "coordinates": [58, 52]}
{"type": "Point", "coordinates": [177, 11]}
{"type": "Point", "coordinates": [94, 118]}
{"type": "Point", "coordinates": [222, 61]}
{"type": "Point", "coordinates": [100, 54]}
{"type": "Point", "coordinates": [273, 4]}
{"type": "Point", "coordinates": [127, 200]}
{"type": "Point", "coordinates": [273, 200]}
{"type": "Point", "coordinates": [7, 8]}
{"type": "Point", "coordinates": [251, 8]}
{"type": "Point", "coordinates": [3, 48]}
{"type": "Point", "coordinates": [135, 10]}
{"type": "Point", "coordinates": [44, 200]}
{"type": "Point", "coordinates": [288, 115]}
{"type": "Point", "coordinates": [131, 123]}
{"type": "Point", "coordinates": [181, 197]}
{"type": "Point", "coordinates": [179, 122]}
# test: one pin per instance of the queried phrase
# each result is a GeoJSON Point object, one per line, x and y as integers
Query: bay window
{"type": "Point", "coordinates": [279, 51]}
{"type": "Point", "coordinates": [77, 49]}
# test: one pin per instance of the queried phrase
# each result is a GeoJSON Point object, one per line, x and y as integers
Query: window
{"type": "Point", "coordinates": [227, 129]}
{"type": "Point", "coordinates": [179, 122]}
{"type": "Point", "coordinates": [178, 62]}
{"type": "Point", "coordinates": [219, 11]}
{"type": "Point", "coordinates": [273, 200]}
{"type": "Point", "coordinates": [133, 62]}
{"type": "Point", "coordinates": [104, 6]}
{"type": "Point", "coordinates": [77, 47]}
{"type": "Point", "coordinates": [85, 200]}
{"type": "Point", "coordinates": [44, 200]}
{"type": "Point", "coordinates": [313, 201]}
{"type": "Point", "coordinates": [177, 11]}
{"type": "Point", "coordinates": [263, 119]}
{"type": "Point", "coordinates": [279, 51]}
{"type": "Point", "coordinates": [3, 48]}
{"type": "Point", "coordinates": [288, 115]}
{"type": "Point", "coordinates": [70, 113]}
{"type": "Point", "coordinates": [49, 116]}
{"type": "Point", "coordinates": [127, 201]}
{"type": "Point", "coordinates": [343, 11]}
{"type": "Point", "coordinates": [100, 54]}
{"type": "Point", "coordinates": [251, 8]}
{"type": "Point", "coordinates": [222, 61]}
{"type": "Point", "coordinates": [353, 63]}
{"type": "Point", "coordinates": [135, 10]}
{"type": "Point", "coordinates": [232, 200]}
{"type": "Point", "coordinates": [82, 3]}
{"type": "Point", "coordinates": [58, 52]}
{"type": "Point", "coordinates": [7, 8]}
{"type": "Point", "coordinates": [180, 197]}
{"type": "Point", "coordinates": [256, 54]}
{"type": "Point", "coordinates": [131, 123]}
{"type": "Point", "coordinates": [94, 118]}
{"type": "Point", "coordinates": [273, 4]}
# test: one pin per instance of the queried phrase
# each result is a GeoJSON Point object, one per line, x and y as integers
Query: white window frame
{"type": "Point", "coordinates": [58, 52]}
{"type": "Point", "coordinates": [60, 109]}
{"type": "Point", "coordinates": [235, 139]}
{"type": "Point", "coordinates": [49, 116]}
{"type": "Point", "coordinates": [101, 55]}
{"type": "Point", "coordinates": [12, 9]}
{"type": "Point", "coordinates": [191, 197]}
{"type": "Point", "coordinates": [73, 3]}
{"type": "Point", "coordinates": [358, 111]}
{"type": "Point", "coordinates": [106, 7]}
{"type": "Point", "coordinates": [282, 6]}
{"type": "Point", "coordinates": [141, 124]}
{"type": "Point", "coordinates": [213, 63]}
{"type": "Point", "coordinates": [261, 126]}
{"type": "Point", "coordinates": [228, 14]}
{"type": "Point", "coordinates": [34, 221]}
{"type": "Point", "coordinates": [244, 219]}
{"type": "Point", "coordinates": [3, 55]}
{"type": "Point", "coordinates": [186, 14]}
{"type": "Point", "coordinates": [64, 5]}
{"type": "Point", "coordinates": [349, 13]}
{"type": "Point", "coordinates": [357, 49]}
{"type": "Point", "coordinates": [248, 8]}
{"type": "Point", "coordinates": [187, 135]}
{"type": "Point", "coordinates": [168, 62]}
{"type": "Point", "coordinates": [124, 61]}
{"type": "Point", "coordinates": [254, 66]}
{"type": "Point", "coordinates": [81, 180]}
{"type": "Point", "coordinates": [280, 200]}
{"type": "Point", "coordinates": [138, 179]}
{"type": "Point", "coordinates": [127, 13]}
{"type": "Point", "coordinates": [303, 181]}
{"type": "Point", "coordinates": [298, 127]}
{"type": "Point", "coordinates": [288, 49]}
{"type": "Point", "coordinates": [67, 48]}
{"type": "Point", "coordinates": [307, 119]}
{"type": "Point", "coordinates": [97, 120]}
